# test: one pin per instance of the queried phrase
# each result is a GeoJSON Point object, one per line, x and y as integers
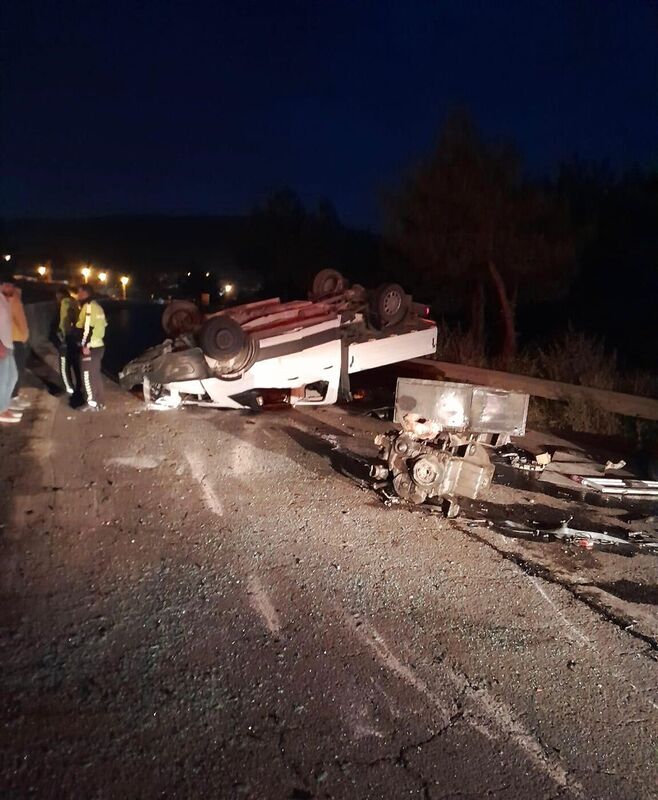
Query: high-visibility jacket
{"type": "Point", "coordinates": [93, 324]}
{"type": "Point", "coordinates": [69, 312]}
{"type": "Point", "coordinates": [19, 328]}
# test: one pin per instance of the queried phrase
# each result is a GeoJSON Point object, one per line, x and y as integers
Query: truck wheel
{"type": "Point", "coordinates": [180, 316]}
{"type": "Point", "coordinates": [326, 282]}
{"type": "Point", "coordinates": [390, 304]}
{"type": "Point", "coordinates": [222, 339]}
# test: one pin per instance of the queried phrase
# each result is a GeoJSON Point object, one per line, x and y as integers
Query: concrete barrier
{"type": "Point", "coordinates": [40, 319]}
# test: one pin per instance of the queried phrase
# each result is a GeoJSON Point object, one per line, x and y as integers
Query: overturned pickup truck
{"type": "Point", "coordinates": [441, 452]}
{"type": "Point", "coordinates": [300, 352]}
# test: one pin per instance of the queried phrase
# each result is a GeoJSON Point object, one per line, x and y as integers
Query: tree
{"type": "Point", "coordinates": [465, 219]}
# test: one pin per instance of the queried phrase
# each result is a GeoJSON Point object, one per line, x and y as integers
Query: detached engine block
{"type": "Point", "coordinates": [442, 449]}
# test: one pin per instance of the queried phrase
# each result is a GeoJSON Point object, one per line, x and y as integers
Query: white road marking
{"type": "Point", "coordinates": [496, 713]}
{"type": "Point", "coordinates": [199, 473]}
{"type": "Point", "coordinates": [261, 603]}
{"type": "Point", "coordinates": [373, 639]}
{"type": "Point", "coordinates": [136, 462]}
{"type": "Point", "coordinates": [581, 638]}
{"type": "Point", "coordinates": [577, 635]}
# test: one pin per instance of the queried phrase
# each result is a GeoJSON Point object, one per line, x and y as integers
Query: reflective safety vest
{"type": "Point", "coordinates": [68, 315]}
{"type": "Point", "coordinates": [93, 323]}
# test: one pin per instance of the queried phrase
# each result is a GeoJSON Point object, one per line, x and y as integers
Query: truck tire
{"type": "Point", "coordinates": [389, 305]}
{"type": "Point", "coordinates": [326, 282]}
{"type": "Point", "coordinates": [180, 316]}
{"type": "Point", "coordinates": [222, 339]}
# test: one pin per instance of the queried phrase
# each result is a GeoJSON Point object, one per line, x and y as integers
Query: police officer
{"type": "Point", "coordinates": [92, 323]}
{"type": "Point", "coordinates": [68, 338]}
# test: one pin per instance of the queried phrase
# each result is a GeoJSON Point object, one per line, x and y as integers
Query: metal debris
{"type": "Point", "coordinates": [614, 465]}
{"type": "Point", "coordinates": [438, 453]}
{"type": "Point", "coordinates": [619, 486]}
{"type": "Point", "coordinates": [583, 538]}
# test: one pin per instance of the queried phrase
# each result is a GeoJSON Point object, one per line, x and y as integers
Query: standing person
{"type": "Point", "coordinates": [8, 372]}
{"type": "Point", "coordinates": [68, 339]}
{"type": "Point", "coordinates": [20, 333]}
{"type": "Point", "coordinates": [92, 322]}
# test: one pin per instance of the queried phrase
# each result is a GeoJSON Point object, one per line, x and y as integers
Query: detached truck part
{"type": "Point", "coordinates": [441, 450]}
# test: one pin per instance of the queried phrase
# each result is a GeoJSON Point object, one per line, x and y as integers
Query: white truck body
{"type": "Point", "coordinates": [301, 361]}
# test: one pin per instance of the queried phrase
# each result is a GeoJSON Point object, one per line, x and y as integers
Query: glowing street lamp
{"type": "Point", "coordinates": [41, 270]}
{"type": "Point", "coordinates": [7, 257]}
{"type": "Point", "coordinates": [102, 277]}
{"type": "Point", "coordinates": [228, 288]}
{"type": "Point", "coordinates": [124, 280]}
{"type": "Point", "coordinates": [86, 272]}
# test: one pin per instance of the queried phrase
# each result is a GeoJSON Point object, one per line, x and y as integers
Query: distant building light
{"type": "Point", "coordinates": [102, 277]}
{"type": "Point", "coordinates": [7, 257]}
{"type": "Point", "coordinates": [86, 272]}
{"type": "Point", "coordinates": [207, 274]}
{"type": "Point", "coordinates": [228, 288]}
{"type": "Point", "coordinates": [41, 270]}
{"type": "Point", "coordinates": [189, 274]}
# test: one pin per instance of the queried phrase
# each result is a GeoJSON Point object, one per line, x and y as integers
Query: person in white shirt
{"type": "Point", "coordinates": [8, 371]}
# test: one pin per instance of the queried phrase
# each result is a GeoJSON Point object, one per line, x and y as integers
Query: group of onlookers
{"type": "Point", "coordinates": [81, 326]}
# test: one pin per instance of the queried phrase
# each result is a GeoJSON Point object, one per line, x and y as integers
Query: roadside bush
{"type": "Point", "coordinates": [459, 347]}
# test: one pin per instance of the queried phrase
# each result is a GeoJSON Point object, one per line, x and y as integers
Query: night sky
{"type": "Point", "coordinates": [188, 107]}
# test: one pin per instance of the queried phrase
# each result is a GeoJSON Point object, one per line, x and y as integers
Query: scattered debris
{"type": "Point", "coordinates": [614, 465]}
{"type": "Point", "coordinates": [619, 486]}
{"type": "Point", "coordinates": [522, 459]}
{"type": "Point", "coordinates": [583, 538]}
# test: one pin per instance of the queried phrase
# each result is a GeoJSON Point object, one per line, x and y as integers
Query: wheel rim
{"type": "Point", "coordinates": [181, 321]}
{"type": "Point", "coordinates": [224, 340]}
{"type": "Point", "coordinates": [329, 286]}
{"type": "Point", "coordinates": [391, 302]}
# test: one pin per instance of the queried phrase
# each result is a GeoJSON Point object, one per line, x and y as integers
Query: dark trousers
{"type": "Point", "coordinates": [20, 356]}
{"type": "Point", "coordinates": [69, 365]}
{"type": "Point", "coordinates": [92, 380]}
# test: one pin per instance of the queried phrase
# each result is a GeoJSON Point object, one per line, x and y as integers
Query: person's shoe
{"type": "Point", "coordinates": [9, 417]}
{"type": "Point", "coordinates": [95, 407]}
{"type": "Point", "coordinates": [19, 403]}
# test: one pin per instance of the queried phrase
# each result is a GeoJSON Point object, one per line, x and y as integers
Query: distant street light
{"type": "Point", "coordinates": [7, 257]}
{"type": "Point", "coordinates": [207, 274]}
{"type": "Point", "coordinates": [86, 272]}
{"type": "Point", "coordinates": [41, 270]}
{"type": "Point", "coordinates": [102, 277]}
{"type": "Point", "coordinates": [228, 288]}
{"type": "Point", "coordinates": [124, 280]}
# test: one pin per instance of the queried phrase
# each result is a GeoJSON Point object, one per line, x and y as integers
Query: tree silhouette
{"type": "Point", "coordinates": [465, 220]}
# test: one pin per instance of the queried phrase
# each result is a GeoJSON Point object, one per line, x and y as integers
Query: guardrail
{"type": "Point", "coordinates": [628, 405]}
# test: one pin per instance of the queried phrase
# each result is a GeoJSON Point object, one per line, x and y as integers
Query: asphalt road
{"type": "Point", "coordinates": [206, 604]}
